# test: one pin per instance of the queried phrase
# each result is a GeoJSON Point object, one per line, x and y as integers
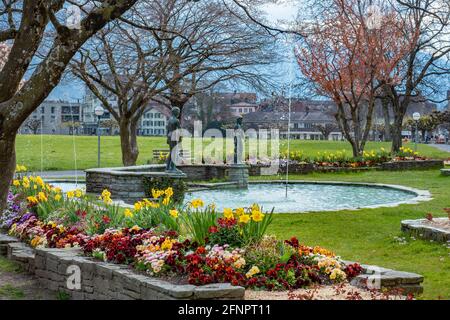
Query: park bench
{"type": "Point", "coordinates": [161, 154]}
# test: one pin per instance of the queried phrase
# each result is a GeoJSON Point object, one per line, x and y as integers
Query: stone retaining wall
{"type": "Point", "coordinates": [445, 172]}
{"type": "Point", "coordinates": [59, 269]}
{"type": "Point", "coordinates": [418, 229]}
{"type": "Point", "coordinates": [410, 165]}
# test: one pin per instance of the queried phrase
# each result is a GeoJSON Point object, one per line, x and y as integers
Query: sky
{"type": "Point", "coordinates": [285, 10]}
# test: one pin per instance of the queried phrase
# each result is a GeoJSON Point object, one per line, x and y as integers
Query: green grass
{"type": "Point", "coordinates": [7, 265]}
{"type": "Point", "coordinates": [52, 152]}
{"type": "Point", "coordinates": [367, 235]}
{"type": "Point", "coordinates": [10, 292]}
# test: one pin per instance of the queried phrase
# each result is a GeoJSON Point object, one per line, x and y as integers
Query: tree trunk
{"type": "Point", "coordinates": [129, 148]}
{"type": "Point", "coordinates": [387, 120]}
{"type": "Point", "coordinates": [397, 133]}
{"type": "Point", "coordinates": [7, 164]}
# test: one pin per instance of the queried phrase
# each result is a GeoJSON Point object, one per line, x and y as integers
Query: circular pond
{"type": "Point", "coordinates": [304, 197]}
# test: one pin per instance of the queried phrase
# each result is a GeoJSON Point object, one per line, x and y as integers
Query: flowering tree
{"type": "Point", "coordinates": [36, 31]}
{"type": "Point", "coordinates": [349, 58]}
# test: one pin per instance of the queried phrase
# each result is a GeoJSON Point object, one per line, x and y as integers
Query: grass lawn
{"type": "Point", "coordinates": [368, 235]}
{"type": "Point", "coordinates": [53, 152]}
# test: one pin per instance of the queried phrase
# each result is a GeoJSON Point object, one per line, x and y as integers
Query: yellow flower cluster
{"type": "Point", "coordinates": [337, 274]}
{"type": "Point", "coordinates": [196, 203]}
{"type": "Point", "coordinates": [106, 197]}
{"type": "Point", "coordinates": [323, 251]}
{"type": "Point", "coordinates": [408, 151]}
{"type": "Point", "coordinates": [254, 270]}
{"type": "Point", "coordinates": [332, 267]}
{"type": "Point", "coordinates": [21, 168]}
{"type": "Point", "coordinates": [78, 193]}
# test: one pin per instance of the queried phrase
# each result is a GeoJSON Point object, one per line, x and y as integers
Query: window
{"type": "Point", "coordinates": [42, 109]}
{"type": "Point", "coordinates": [53, 110]}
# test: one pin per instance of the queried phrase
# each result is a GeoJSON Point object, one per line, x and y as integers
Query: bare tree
{"type": "Point", "coordinates": [427, 65]}
{"type": "Point", "coordinates": [326, 129]}
{"type": "Point", "coordinates": [25, 26]}
{"type": "Point", "coordinates": [120, 67]}
{"type": "Point", "coordinates": [33, 125]}
{"type": "Point", "coordinates": [204, 44]}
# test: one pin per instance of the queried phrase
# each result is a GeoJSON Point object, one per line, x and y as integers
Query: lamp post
{"type": "Point", "coordinates": [99, 112]}
{"type": "Point", "coordinates": [416, 117]}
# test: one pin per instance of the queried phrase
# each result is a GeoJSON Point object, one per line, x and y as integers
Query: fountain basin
{"type": "Point", "coordinates": [306, 196]}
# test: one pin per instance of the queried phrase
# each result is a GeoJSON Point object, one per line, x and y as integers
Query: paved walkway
{"type": "Point", "coordinates": [62, 174]}
{"type": "Point", "coordinates": [443, 147]}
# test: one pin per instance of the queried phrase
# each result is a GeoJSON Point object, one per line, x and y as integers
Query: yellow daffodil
{"type": "Point", "coordinates": [16, 183]}
{"type": "Point", "coordinates": [174, 213]}
{"type": "Point", "coordinates": [39, 181]}
{"type": "Point", "coordinates": [106, 194]}
{"type": "Point", "coordinates": [42, 197]}
{"type": "Point", "coordinates": [228, 213]}
{"type": "Point", "coordinates": [157, 193]}
{"type": "Point", "coordinates": [70, 194]}
{"type": "Point", "coordinates": [137, 206]}
{"type": "Point", "coordinates": [78, 193]}
{"type": "Point", "coordinates": [257, 215]}
{"type": "Point", "coordinates": [240, 211]}
{"type": "Point", "coordinates": [166, 201]}
{"type": "Point", "coordinates": [32, 200]}
{"type": "Point", "coordinates": [197, 203]}
{"type": "Point", "coordinates": [128, 213]}
{"type": "Point", "coordinates": [244, 218]}
{"type": "Point", "coordinates": [169, 192]}
{"type": "Point", "coordinates": [58, 197]}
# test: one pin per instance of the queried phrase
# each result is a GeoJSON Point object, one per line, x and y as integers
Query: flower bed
{"type": "Point", "coordinates": [340, 159]}
{"type": "Point", "coordinates": [192, 244]}
{"type": "Point", "coordinates": [183, 245]}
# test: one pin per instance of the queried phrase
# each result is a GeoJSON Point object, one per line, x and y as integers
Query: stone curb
{"type": "Point", "coordinates": [418, 229]}
{"type": "Point", "coordinates": [387, 279]}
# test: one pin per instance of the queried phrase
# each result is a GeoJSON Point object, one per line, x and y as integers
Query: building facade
{"type": "Point", "coordinates": [154, 121]}
{"type": "Point", "coordinates": [55, 117]}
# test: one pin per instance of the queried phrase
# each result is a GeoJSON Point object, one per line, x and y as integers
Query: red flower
{"type": "Point", "coordinates": [200, 250]}
{"type": "Point", "coordinates": [106, 219]}
{"type": "Point", "coordinates": [213, 229]}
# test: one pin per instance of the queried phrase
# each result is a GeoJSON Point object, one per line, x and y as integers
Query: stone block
{"type": "Point", "coordinates": [219, 291]}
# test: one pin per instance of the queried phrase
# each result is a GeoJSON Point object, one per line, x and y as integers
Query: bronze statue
{"type": "Point", "coordinates": [238, 141]}
{"type": "Point", "coordinates": [173, 138]}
